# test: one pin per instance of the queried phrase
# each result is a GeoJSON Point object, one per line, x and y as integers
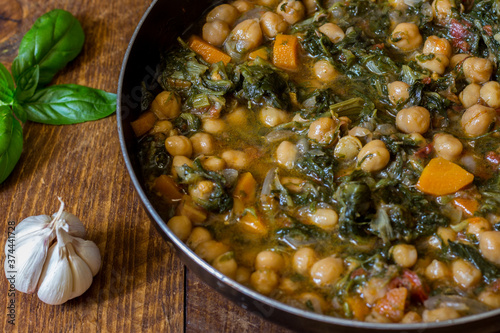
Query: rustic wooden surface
{"type": "Point", "coordinates": [142, 285]}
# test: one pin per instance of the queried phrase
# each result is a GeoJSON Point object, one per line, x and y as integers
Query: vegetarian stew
{"type": "Point", "coordinates": [339, 156]}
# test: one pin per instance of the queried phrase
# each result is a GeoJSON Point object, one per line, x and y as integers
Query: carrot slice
{"type": "Point", "coordinates": [144, 123]}
{"type": "Point", "coordinates": [167, 187]}
{"type": "Point", "coordinates": [285, 52]}
{"type": "Point", "coordinates": [358, 307]}
{"type": "Point", "coordinates": [441, 177]}
{"type": "Point", "coordinates": [246, 188]}
{"type": "Point", "coordinates": [392, 305]}
{"type": "Point", "coordinates": [253, 224]}
{"type": "Point", "coordinates": [467, 206]}
{"type": "Point", "coordinates": [262, 53]}
{"type": "Point", "coordinates": [208, 52]}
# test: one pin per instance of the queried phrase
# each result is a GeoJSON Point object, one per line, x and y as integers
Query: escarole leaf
{"type": "Point", "coordinates": [471, 254]}
{"type": "Point", "coordinates": [11, 142]}
{"type": "Point", "coordinates": [55, 39]}
{"type": "Point", "coordinates": [6, 86]}
{"type": "Point", "coordinates": [69, 104]}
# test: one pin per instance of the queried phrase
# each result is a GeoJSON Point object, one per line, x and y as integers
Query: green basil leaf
{"type": "Point", "coordinates": [19, 112]}
{"type": "Point", "coordinates": [6, 86]}
{"type": "Point", "coordinates": [69, 104]}
{"type": "Point", "coordinates": [13, 142]}
{"type": "Point", "coordinates": [55, 39]}
{"type": "Point", "coordinates": [27, 83]}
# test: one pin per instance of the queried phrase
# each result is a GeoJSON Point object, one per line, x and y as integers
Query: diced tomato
{"type": "Point", "coordinates": [424, 151]}
{"type": "Point", "coordinates": [493, 158]}
{"type": "Point", "coordinates": [426, 80]}
{"type": "Point", "coordinates": [393, 304]}
{"type": "Point", "coordinates": [358, 272]}
{"type": "Point", "coordinates": [460, 31]}
{"type": "Point", "coordinates": [488, 29]}
{"type": "Point", "coordinates": [411, 281]}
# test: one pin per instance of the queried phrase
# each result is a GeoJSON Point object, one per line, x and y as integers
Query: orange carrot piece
{"type": "Point", "coordinates": [285, 52]}
{"type": "Point", "coordinates": [246, 188]}
{"type": "Point", "coordinates": [196, 214]}
{"type": "Point", "coordinates": [358, 307]}
{"type": "Point", "coordinates": [144, 123]}
{"type": "Point", "coordinates": [467, 206]}
{"type": "Point", "coordinates": [167, 187]}
{"type": "Point", "coordinates": [392, 305]}
{"type": "Point", "coordinates": [262, 53]}
{"type": "Point", "coordinates": [208, 52]}
{"type": "Point", "coordinates": [441, 177]}
{"type": "Point", "coordinates": [253, 224]}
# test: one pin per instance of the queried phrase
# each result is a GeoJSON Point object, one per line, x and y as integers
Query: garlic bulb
{"type": "Point", "coordinates": [61, 270]}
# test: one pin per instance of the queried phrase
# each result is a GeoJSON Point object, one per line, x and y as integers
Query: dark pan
{"type": "Point", "coordinates": [158, 29]}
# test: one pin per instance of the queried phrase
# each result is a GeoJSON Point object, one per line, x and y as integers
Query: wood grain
{"type": "Point", "coordinates": [142, 284]}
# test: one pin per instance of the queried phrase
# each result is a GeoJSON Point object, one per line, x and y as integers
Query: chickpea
{"type": "Point", "coordinates": [347, 147]}
{"type": "Point", "coordinates": [406, 37]}
{"type": "Point", "coordinates": [489, 245]}
{"type": "Point", "coordinates": [238, 117]}
{"type": "Point", "coordinates": [225, 12]}
{"type": "Point", "coordinates": [179, 161]}
{"type": "Point", "coordinates": [324, 71]}
{"type": "Point", "coordinates": [267, 3]}
{"type": "Point", "coordinates": [490, 94]}
{"type": "Point", "coordinates": [415, 119]}
{"type": "Point", "coordinates": [477, 70]}
{"type": "Point", "coordinates": [180, 226]}
{"type": "Point", "coordinates": [374, 156]}
{"type": "Point", "coordinates": [286, 154]}
{"type": "Point", "coordinates": [470, 95]}
{"type": "Point", "coordinates": [436, 45]}
{"type": "Point", "coordinates": [272, 24]}
{"type": "Point", "coordinates": [269, 260]}
{"type": "Point", "coordinates": [226, 264]}
{"type": "Point", "coordinates": [310, 5]}
{"type": "Point", "coordinates": [202, 190]}
{"type": "Point", "coordinates": [215, 32]}
{"type": "Point", "coordinates": [271, 116]}
{"type": "Point", "coordinates": [203, 143]}
{"type": "Point", "coordinates": [166, 105]}
{"type": "Point", "coordinates": [437, 270]}
{"type": "Point", "coordinates": [322, 130]}
{"type": "Point", "coordinates": [411, 317]}
{"type": "Point", "coordinates": [398, 92]}
{"type": "Point", "coordinates": [465, 274]}
{"type": "Point", "coordinates": [236, 159]}
{"type": "Point", "coordinates": [213, 126]}
{"type": "Point", "coordinates": [242, 275]}
{"type": "Point", "coordinates": [213, 163]}
{"type": "Point", "coordinates": [198, 235]}
{"type": "Point", "coordinates": [327, 271]}
{"type": "Point", "coordinates": [264, 281]}
{"type": "Point", "coordinates": [303, 259]}
{"type": "Point", "coordinates": [325, 218]}
{"type": "Point", "coordinates": [334, 33]}
{"type": "Point", "coordinates": [398, 4]}
{"type": "Point", "coordinates": [162, 126]}
{"type": "Point", "coordinates": [246, 36]}
{"type": "Point", "coordinates": [293, 184]}
{"type": "Point", "coordinates": [490, 298]}
{"type": "Point", "coordinates": [291, 10]}
{"type": "Point", "coordinates": [457, 59]}
{"type": "Point", "coordinates": [436, 65]}
{"type": "Point", "coordinates": [478, 225]}
{"type": "Point", "coordinates": [242, 5]}
{"type": "Point", "coordinates": [447, 146]}
{"type": "Point", "coordinates": [404, 255]}
{"type": "Point", "coordinates": [313, 300]}
{"type": "Point", "coordinates": [179, 145]}
{"type": "Point", "coordinates": [477, 119]}
{"type": "Point", "coordinates": [210, 250]}
{"type": "Point", "coordinates": [289, 286]}
{"type": "Point", "coordinates": [443, 235]}
{"type": "Point", "coordinates": [440, 314]}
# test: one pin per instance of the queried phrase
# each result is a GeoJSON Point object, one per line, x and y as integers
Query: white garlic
{"type": "Point", "coordinates": [51, 255]}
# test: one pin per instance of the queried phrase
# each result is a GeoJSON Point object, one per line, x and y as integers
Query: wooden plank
{"type": "Point", "coordinates": [208, 311]}
{"type": "Point", "coordinates": [141, 283]}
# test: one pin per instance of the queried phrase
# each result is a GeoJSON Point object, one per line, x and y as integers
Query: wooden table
{"type": "Point", "coordinates": [142, 285]}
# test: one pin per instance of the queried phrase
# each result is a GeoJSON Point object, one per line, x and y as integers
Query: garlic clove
{"type": "Point", "coordinates": [82, 275]}
{"type": "Point", "coordinates": [74, 226]}
{"type": "Point", "coordinates": [89, 252]}
{"type": "Point", "coordinates": [56, 281]}
{"type": "Point", "coordinates": [30, 255]}
{"type": "Point", "coordinates": [31, 225]}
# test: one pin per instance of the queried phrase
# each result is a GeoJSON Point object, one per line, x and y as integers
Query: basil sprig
{"type": "Point", "coordinates": [55, 39]}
